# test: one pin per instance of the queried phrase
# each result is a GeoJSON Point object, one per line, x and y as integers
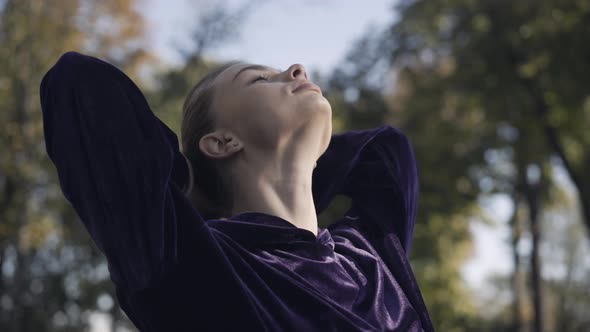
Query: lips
{"type": "Point", "coordinates": [307, 85]}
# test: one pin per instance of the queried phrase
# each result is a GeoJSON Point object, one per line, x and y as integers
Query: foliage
{"type": "Point", "coordinates": [51, 273]}
{"type": "Point", "coordinates": [501, 84]}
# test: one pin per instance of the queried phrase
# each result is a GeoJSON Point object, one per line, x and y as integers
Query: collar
{"type": "Point", "coordinates": [256, 229]}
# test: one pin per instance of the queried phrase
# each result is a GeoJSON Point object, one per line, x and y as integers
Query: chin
{"type": "Point", "coordinates": [317, 104]}
{"type": "Point", "coordinates": [326, 105]}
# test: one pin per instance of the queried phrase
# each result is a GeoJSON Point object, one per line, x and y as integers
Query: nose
{"type": "Point", "coordinates": [297, 71]}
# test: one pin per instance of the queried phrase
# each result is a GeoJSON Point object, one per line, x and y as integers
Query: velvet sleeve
{"type": "Point", "coordinates": [377, 169]}
{"type": "Point", "coordinates": [118, 165]}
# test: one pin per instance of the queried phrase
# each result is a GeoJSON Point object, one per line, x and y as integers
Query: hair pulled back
{"type": "Point", "coordinates": [209, 185]}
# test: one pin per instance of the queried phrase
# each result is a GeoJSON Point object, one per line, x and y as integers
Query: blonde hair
{"type": "Point", "coordinates": [210, 183]}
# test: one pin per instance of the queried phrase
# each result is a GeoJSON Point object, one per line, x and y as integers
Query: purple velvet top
{"type": "Point", "coordinates": [121, 169]}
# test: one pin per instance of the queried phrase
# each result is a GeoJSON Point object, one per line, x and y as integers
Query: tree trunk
{"type": "Point", "coordinates": [552, 136]}
{"type": "Point", "coordinates": [516, 232]}
{"type": "Point", "coordinates": [531, 191]}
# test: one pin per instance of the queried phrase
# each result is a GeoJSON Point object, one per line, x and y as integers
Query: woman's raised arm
{"type": "Point", "coordinates": [377, 169]}
{"type": "Point", "coordinates": [118, 165]}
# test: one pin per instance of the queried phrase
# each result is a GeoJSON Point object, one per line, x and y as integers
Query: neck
{"type": "Point", "coordinates": [277, 187]}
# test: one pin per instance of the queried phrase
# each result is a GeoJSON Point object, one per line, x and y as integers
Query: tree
{"type": "Point", "coordinates": [52, 274]}
{"type": "Point", "coordinates": [528, 50]}
{"type": "Point", "coordinates": [502, 63]}
{"type": "Point", "coordinates": [483, 91]}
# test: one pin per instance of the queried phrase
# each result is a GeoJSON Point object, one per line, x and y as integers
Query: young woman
{"type": "Point", "coordinates": [224, 236]}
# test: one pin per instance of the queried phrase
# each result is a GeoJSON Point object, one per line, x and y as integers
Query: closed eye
{"type": "Point", "coordinates": [261, 77]}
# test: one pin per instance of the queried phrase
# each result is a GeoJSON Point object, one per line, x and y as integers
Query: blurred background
{"type": "Point", "coordinates": [493, 94]}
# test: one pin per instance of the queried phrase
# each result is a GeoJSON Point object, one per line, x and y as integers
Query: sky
{"type": "Point", "coordinates": [277, 33]}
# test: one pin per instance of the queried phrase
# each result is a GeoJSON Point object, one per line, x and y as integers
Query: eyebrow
{"type": "Point", "coordinates": [254, 67]}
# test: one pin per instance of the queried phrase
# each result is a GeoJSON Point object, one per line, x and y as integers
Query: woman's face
{"type": "Point", "coordinates": [268, 108]}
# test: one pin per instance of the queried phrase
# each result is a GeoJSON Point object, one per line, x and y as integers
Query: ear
{"type": "Point", "coordinates": [220, 145]}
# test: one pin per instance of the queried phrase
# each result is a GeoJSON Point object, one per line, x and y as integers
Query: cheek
{"type": "Point", "coordinates": [271, 120]}
{"type": "Point", "coordinates": [259, 122]}
{"type": "Point", "coordinates": [267, 108]}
